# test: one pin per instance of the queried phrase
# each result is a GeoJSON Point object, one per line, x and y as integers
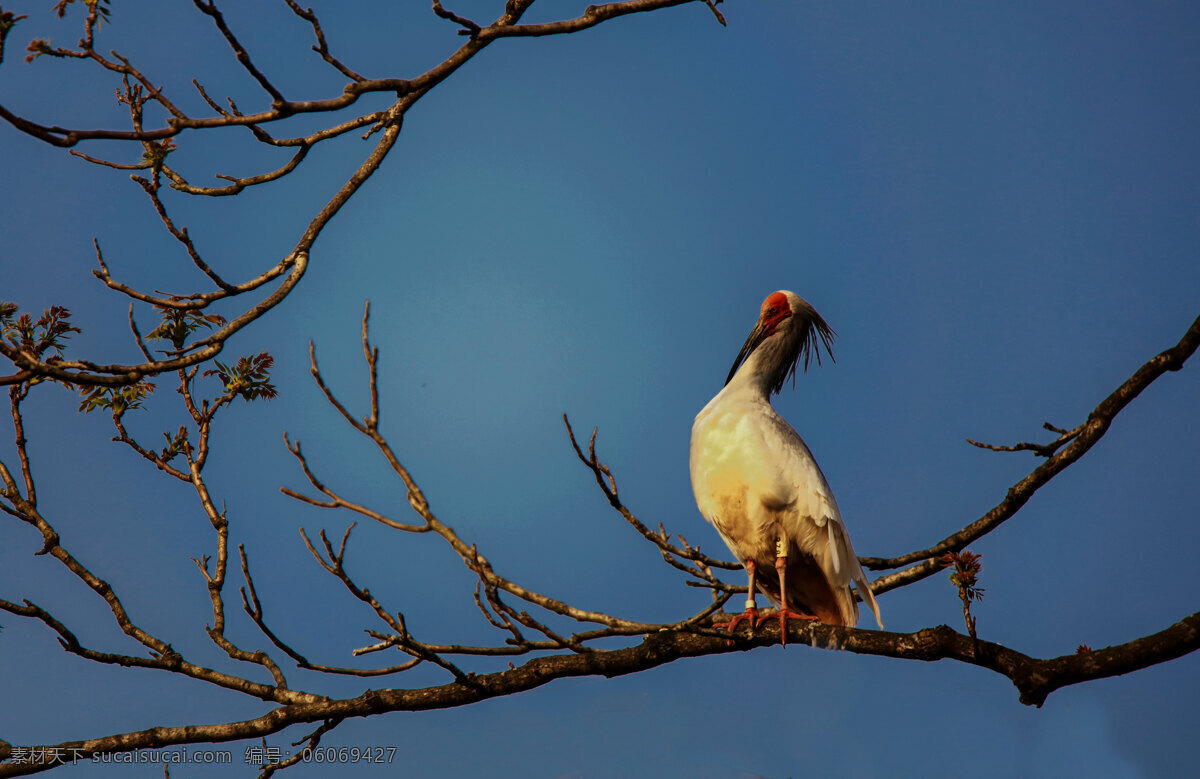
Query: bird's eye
{"type": "Point", "coordinates": [772, 311]}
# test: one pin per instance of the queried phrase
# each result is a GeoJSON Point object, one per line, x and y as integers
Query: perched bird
{"type": "Point", "coordinates": [757, 483]}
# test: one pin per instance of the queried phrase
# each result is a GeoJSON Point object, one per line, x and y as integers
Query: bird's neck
{"type": "Point", "coordinates": [765, 368]}
{"type": "Point", "coordinates": [754, 378]}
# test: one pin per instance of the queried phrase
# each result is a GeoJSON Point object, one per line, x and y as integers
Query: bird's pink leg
{"type": "Point", "coordinates": [751, 613]}
{"type": "Point", "coordinates": [785, 611]}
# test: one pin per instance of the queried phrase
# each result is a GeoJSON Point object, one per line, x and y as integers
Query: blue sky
{"type": "Point", "coordinates": [994, 205]}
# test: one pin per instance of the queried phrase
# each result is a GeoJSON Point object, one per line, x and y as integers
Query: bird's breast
{"type": "Point", "coordinates": [753, 476]}
{"type": "Point", "coordinates": [735, 486]}
{"type": "Point", "coordinates": [738, 449]}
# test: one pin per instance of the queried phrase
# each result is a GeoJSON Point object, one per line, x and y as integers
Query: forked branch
{"type": "Point", "coordinates": [1081, 439]}
{"type": "Point", "coordinates": [157, 144]}
{"type": "Point", "coordinates": [493, 585]}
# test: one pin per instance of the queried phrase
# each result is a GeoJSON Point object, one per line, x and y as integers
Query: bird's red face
{"type": "Point", "coordinates": [797, 339]}
{"type": "Point", "coordinates": [775, 309]}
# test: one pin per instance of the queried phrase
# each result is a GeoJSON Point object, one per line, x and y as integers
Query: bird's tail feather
{"type": "Point", "coordinates": [845, 551]}
{"type": "Point", "coordinates": [864, 589]}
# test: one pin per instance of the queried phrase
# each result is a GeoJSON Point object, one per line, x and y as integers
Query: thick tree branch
{"type": "Point", "coordinates": [1035, 679]}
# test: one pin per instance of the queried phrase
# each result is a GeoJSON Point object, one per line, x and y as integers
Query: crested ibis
{"type": "Point", "coordinates": [757, 483]}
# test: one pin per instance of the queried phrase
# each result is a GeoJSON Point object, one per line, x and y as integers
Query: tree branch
{"type": "Point", "coordinates": [1090, 432]}
{"type": "Point", "coordinates": [1035, 679]}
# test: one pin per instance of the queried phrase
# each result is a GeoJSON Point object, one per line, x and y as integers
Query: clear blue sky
{"type": "Point", "coordinates": [995, 205]}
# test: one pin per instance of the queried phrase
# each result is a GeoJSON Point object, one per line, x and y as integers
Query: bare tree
{"type": "Point", "coordinates": [554, 638]}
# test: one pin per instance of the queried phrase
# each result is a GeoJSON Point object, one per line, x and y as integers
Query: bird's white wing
{"type": "Point", "coordinates": [814, 508]}
{"type": "Point", "coordinates": [751, 471]}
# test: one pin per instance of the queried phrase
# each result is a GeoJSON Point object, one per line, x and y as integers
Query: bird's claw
{"type": "Point", "coordinates": [783, 615]}
{"type": "Point", "coordinates": [749, 615]}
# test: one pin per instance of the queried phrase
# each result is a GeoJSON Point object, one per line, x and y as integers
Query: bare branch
{"type": "Point", "coordinates": [407, 90]}
{"type": "Point", "coordinates": [179, 183]}
{"type": "Point", "coordinates": [106, 163]}
{"type": "Point", "coordinates": [1090, 432]}
{"type": "Point", "coordinates": [254, 610]}
{"type": "Point", "coordinates": [712, 6]}
{"type": "Point", "coordinates": [322, 48]}
{"type": "Point", "coordinates": [595, 14]}
{"type": "Point", "coordinates": [210, 8]}
{"type": "Point", "coordinates": [1041, 450]}
{"type": "Point", "coordinates": [83, 372]}
{"type": "Point", "coordinates": [469, 27]}
{"type": "Point", "coordinates": [313, 740]}
{"type": "Point", "coordinates": [1035, 679]}
{"type": "Point", "coordinates": [15, 396]}
{"type": "Point", "coordinates": [608, 485]}
{"type": "Point", "coordinates": [181, 235]}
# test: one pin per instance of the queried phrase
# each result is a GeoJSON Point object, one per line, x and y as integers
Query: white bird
{"type": "Point", "coordinates": [757, 483]}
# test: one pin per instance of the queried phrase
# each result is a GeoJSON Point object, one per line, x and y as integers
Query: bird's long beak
{"type": "Point", "coordinates": [756, 337]}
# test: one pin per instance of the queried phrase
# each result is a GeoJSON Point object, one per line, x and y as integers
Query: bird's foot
{"type": "Point", "coordinates": [783, 615]}
{"type": "Point", "coordinates": [749, 615]}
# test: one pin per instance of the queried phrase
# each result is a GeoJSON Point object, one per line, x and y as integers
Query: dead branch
{"type": "Point", "coordinates": [321, 46]}
{"type": "Point", "coordinates": [1089, 433]}
{"type": "Point", "coordinates": [140, 89]}
{"type": "Point", "coordinates": [475, 561]}
{"type": "Point", "coordinates": [1035, 679]}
